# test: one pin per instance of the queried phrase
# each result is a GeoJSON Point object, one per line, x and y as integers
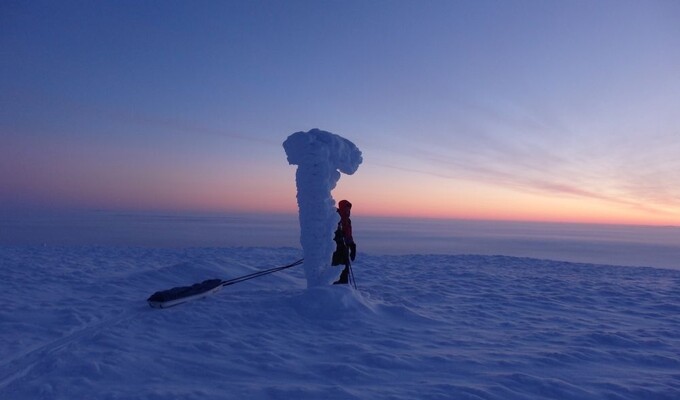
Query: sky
{"type": "Point", "coordinates": [501, 110]}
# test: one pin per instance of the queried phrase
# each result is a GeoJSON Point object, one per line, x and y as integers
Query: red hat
{"type": "Point", "coordinates": [344, 204]}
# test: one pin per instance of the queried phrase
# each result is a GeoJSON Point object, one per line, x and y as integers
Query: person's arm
{"type": "Point", "coordinates": [349, 240]}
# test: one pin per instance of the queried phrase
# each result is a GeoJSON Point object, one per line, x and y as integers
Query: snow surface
{"type": "Point", "coordinates": [75, 325]}
{"type": "Point", "coordinates": [320, 157]}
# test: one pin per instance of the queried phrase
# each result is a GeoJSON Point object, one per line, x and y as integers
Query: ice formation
{"type": "Point", "coordinates": [320, 157]}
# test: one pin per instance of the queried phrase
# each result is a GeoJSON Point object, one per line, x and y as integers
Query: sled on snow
{"type": "Point", "coordinates": [182, 294]}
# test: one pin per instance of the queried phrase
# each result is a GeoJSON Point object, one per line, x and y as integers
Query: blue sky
{"type": "Point", "coordinates": [539, 110]}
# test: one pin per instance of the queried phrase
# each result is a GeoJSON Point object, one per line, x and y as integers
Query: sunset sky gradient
{"type": "Point", "coordinates": [511, 110]}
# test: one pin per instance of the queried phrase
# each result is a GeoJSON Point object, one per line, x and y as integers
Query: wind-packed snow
{"type": "Point", "coordinates": [320, 157]}
{"type": "Point", "coordinates": [75, 325]}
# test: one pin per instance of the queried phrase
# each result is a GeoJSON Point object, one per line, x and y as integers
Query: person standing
{"type": "Point", "coordinates": [346, 249]}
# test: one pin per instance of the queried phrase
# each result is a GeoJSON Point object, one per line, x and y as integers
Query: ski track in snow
{"type": "Point", "coordinates": [75, 324]}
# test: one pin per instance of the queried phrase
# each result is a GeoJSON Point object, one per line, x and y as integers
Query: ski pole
{"type": "Point", "coordinates": [351, 275]}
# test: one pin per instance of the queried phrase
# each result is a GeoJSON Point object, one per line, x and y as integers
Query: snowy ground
{"type": "Point", "coordinates": [75, 325]}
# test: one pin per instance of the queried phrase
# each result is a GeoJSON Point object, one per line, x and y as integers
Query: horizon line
{"type": "Point", "coordinates": [22, 211]}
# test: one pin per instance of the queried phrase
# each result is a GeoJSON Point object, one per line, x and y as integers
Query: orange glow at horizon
{"type": "Point", "coordinates": [430, 197]}
{"type": "Point", "coordinates": [270, 188]}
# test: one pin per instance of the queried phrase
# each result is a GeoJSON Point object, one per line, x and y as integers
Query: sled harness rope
{"type": "Point", "coordinates": [259, 273]}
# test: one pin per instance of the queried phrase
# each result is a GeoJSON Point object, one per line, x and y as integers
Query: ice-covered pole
{"type": "Point", "coordinates": [320, 157]}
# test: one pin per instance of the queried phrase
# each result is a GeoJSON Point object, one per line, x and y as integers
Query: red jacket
{"type": "Point", "coordinates": [344, 208]}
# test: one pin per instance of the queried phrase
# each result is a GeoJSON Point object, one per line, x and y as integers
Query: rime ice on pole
{"type": "Point", "coordinates": [320, 157]}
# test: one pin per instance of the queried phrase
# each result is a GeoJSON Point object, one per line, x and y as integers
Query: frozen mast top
{"type": "Point", "coordinates": [317, 146]}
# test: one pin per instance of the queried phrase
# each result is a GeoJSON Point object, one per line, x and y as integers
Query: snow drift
{"type": "Point", "coordinates": [75, 325]}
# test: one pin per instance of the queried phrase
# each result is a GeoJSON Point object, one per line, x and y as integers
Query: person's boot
{"type": "Point", "coordinates": [344, 277]}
